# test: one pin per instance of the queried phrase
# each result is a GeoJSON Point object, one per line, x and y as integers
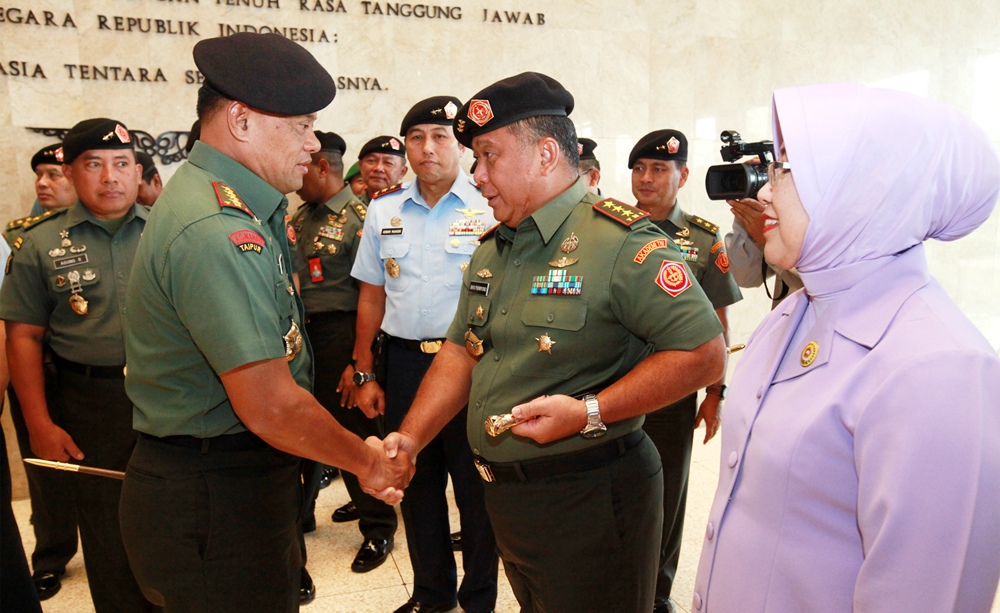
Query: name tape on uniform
{"type": "Point", "coordinates": [247, 240]}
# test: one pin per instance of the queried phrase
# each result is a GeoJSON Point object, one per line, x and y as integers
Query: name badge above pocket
{"type": "Point", "coordinates": [481, 289]}
{"type": "Point", "coordinates": [71, 261]}
{"type": "Point", "coordinates": [392, 231]}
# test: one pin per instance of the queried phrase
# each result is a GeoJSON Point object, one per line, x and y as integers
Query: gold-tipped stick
{"type": "Point", "coordinates": [76, 468]}
{"type": "Point", "coordinates": [735, 348]}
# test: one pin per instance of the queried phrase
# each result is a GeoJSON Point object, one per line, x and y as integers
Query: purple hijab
{"type": "Point", "coordinates": [879, 171]}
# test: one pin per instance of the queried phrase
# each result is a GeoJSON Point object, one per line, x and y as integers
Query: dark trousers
{"type": "Point", "coordinates": [97, 413]}
{"type": "Point", "coordinates": [425, 507]}
{"type": "Point", "coordinates": [332, 339]}
{"type": "Point", "coordinates": [583, 541]}
{"type": "Point", "coordinates": [214, 531]}
{"type": "Point", "coordinates": [17, 590]}
{"type": "Point", "coordinates": [672, 431]}
{"type": "Point", "coordinates": [53, 514]}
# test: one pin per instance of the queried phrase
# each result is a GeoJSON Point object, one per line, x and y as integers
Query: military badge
{"type": "Point", "coordinates": [484, 273]}
{"type": "Point", "coordinates": [461, 125]}
{"type": "Point", "coordinates": [289, 230]}
{"type": "Point", "coordinates": [672, 278]}
{"type": "Point", "coordinates": [809, 354]}
{"type": "Point", "coordinates": [545, 343]}
{"type": "Point", "coordinates": [57, 253]}
{"type": "Point", "coordinates": [88, 275]}
{"type": "Point", "coordinates": [332, 233]}
{"type": "Point", "coordinates": [76, 300]}
{"type": "Point", "coordinates": [579, 148]}
{"type": "Point", "coordinates": [651, 246]}
{"type": "Point", "coordinates": [467, 227]}
{"type": "Point", "coordinates": [690, 253]}
{"type": "Point", "coordinates": [722, 261]}
{"type": "Point", "coordinates": [473, 345]}
{"type": "Point", "coordinates": [450, 110]}
{"type": "Point", "coordinates": [60, 281]}
{"type": "Point", "coordinates": [18, 242]}
{"type": "Point", "coordinates": [479, 312]}
{"type": "Point", "coordinates": [77, 248]}
{"type": "Point", "coordinates": [395, 221]}
{"type": "Point", "coordinates": [570, 244]}
{"type": "Point", "coordinates": [557, 283]}
{"type": "Point", "coordinates": [293, 342]}
{"type": "Point", "coordinates": [59, 154]}
{"type": "Point", "coordinates": [247, 240]}
{"type": "Point", "coordinates": [392, 268]}
{"type": "Point", "coordinates": [563, 262]}
{"type": "Point", "coordinates": [331, 249]}
{"type": "Point", "coordinates": [227, 197]}
{"type": "Point", "coordinates": [717, 246]}
{"type": "Point", "coordinates": [673, 145]}
{"type": "Point", "coordinates": [394, 144]}
{"type": "Point", "coordinates": [470, 213]}
{"type": "Point", "coordinates": [619, 211]}
{"type": "Point", "coordinates": [122, 134]}
{"type": "Point", "coordinates": [66, 242]}
{"type": "Point", "coordinates": [315, 270]}
{"type": "Point", "coordinates": [480, 112]}
{"type": "Point", "coordinates": [464, 266]}
{"type": "Point", "coordinates": [10, 262]}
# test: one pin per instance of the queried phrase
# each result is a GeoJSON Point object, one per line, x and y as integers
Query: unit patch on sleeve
{"type": "Point", "coordinates": [620, 212]}
{"type": "Point", "coordinates": [650, 247]}
{"type": "Point", "coordinates": [247, 240]}
{"type": "Point", "coordinates": [722, 261]}
{"type": "Point", "coordinates": [672, 278]}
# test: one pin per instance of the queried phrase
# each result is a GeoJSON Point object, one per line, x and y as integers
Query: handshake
{"type": "Point", "coordinates": [391, 467]}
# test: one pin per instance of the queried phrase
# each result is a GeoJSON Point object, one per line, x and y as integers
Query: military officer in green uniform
{"type": "Point", "coordinates": [659, 169]}
{"type": "Point", "coordinates": [68, 275]}
{"type": "Point", "coordinates": [382, 162]}
{"type": "Point", "coordinates": [218, 368]}
{"type": "Point", "coordinates": [590, 166]}
{"type": "Point", "coordinates": [550, 346]}
{"type": "Point", "coordinates": [53, 515]}
{"type": "Point", "coordinates": [328, 232]}
{"type": "Point", "coordinates": [354, 180]}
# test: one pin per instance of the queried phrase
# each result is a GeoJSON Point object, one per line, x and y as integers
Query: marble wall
{"type": "Point", "coordinates": [700, 66]}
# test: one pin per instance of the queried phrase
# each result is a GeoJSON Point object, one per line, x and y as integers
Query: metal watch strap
{"type": "Point", "coordinates": [595, 427]}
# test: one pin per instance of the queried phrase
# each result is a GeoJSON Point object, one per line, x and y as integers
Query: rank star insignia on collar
{"type": "Point", "coordinates": [545, 343]}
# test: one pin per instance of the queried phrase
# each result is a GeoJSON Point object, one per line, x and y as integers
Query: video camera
{"type": "Point", "coordinates": [737, 181]}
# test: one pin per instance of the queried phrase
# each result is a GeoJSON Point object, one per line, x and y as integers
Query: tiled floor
{"type": "Point", "coordinates": [332, 547]}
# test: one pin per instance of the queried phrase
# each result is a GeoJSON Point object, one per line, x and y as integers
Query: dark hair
{"type": "Point", "coordinates": [334, 159]}
{"type": "Point", "coordinates": [209, 101]}
{"type": "Point", "coordinates": [558, 127]}
{"type": "Point", "coordinates": [147, 173]}
{"type": "Point", "coordinates": [587, 165]}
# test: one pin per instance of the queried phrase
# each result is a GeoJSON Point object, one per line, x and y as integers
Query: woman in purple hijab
{"type": "Point", "coordinates": [861, 447]}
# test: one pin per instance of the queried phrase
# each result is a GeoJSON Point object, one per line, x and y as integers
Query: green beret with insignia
{"type": "Point", "coordinates": [529, 94]}
{"type": "Point", "coordinates": [352, 172]}
{"type": "Point", "coordinates": [97, 133]}
{"type": "Point", "coordinates": [383, 144]}
{"type": "Point", "coordinates": [50, 154]}
{"type": "Point", "coordinates": [587, 147]}
{"type": "Point", "coordinates": [660, 145]}
{"type": "Point", "coordinates": [266, 72]}
{"type": "Point", "coordinates": [331, 141]}
{"type": "Point", "coordinates": [440, 110]}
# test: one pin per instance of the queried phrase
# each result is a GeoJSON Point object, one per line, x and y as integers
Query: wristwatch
{"type": "Point", "coordinates": [360, 378]}
{"type": "Point", "coordinates": [718, 390]}
{"type": "Point", "coordinates": [595, 427]}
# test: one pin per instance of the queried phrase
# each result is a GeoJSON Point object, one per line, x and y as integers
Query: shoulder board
{"type": "Point", "coordinates": [31, 222]}
{"type": "Point", "coordinates": [17, 223]}
{"type": "Point", "coordinates": [388, 190]}
{"type": "Point", "coordinates": [359, 209]}
{"type": "Point", "coordinates": [489, 232]}
{"type": "Point", "coordinates": [228, 197]}
{"type": "Point", "coordinates": [701, 223]}
{"type": "Point", "coordinates": [619, 211]}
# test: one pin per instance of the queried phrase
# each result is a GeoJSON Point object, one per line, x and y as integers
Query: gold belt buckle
{"type": "Point", "coordinates": [485, 471]}
{"type": "Point", "coordinates": [430, 346]}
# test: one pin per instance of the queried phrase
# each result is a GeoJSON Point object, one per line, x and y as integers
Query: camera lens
{"type": "Point", "coordinates": [735, 181]}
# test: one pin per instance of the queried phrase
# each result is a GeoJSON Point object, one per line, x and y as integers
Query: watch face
{"type": "Point", "coordinates": [359, 378]}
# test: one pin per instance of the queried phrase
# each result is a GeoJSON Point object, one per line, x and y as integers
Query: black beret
{"type": "Point", "coordinates": [331, 141]}
{"type": "Point", "coordinates": [352, 172]}
{"type": "Point", "coordinates": [98, 133]}
{"type": "Point", "coordinates": [529, 94]}
{"type": "Point", "coordinates": [587, 147]}
{"type": "Point", "coordinates": [148, 165]}
{"type": "Point", "coordinates": [267, 72]}
{"type": "Point", "coordinates": [193, 136]}
{"type": "Point", "coordinates": [51, 154]}
{"type": "Point", "coordinates": [383, 144]}
{"type": "Point", "coordinates": [440, 110]}
{"type": "Point", "coordinates": [660, 145]}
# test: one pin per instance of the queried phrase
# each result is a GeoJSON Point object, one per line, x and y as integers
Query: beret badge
{"type": "Point", "coordinates": [59, 154]}
{"type": "Point", "coordinates": [450, 110]}
{"type": "Point", "coordinates": [673, 145]}
{"type": "Point", "coordinates": [480, 112]}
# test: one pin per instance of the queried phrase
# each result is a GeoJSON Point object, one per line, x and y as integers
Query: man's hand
{"type": "Point", "coordinates": [371, 399]}
{"type": "Point", "coordinates": [348, 391]}
{"type": "Point", "coordinates": [749, 213]}
{"type": "Point", "coordinates": [550, 418]}
{"type": "Point", "coordinates": [709, 413]}
{"type": "Point", "coordinates": [393, 469]}
{"type": "Point", "coordinates": [53, 443]}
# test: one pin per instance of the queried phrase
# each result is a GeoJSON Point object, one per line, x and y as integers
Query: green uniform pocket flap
{"type": "Point", "coordinates": [563, 313]}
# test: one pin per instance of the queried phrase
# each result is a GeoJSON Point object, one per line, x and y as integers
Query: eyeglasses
{"type": "Point", "coordinates": [772, 171]}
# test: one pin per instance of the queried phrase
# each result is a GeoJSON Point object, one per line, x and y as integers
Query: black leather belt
{"type": "Point", "coordinates": [432, 345]}
{"type": "Point", "coordinates": [95, 372]}
{"type": "Point", "coordinates": [509, 472]}
{"type": "Point", "coordinates": [226, 442]}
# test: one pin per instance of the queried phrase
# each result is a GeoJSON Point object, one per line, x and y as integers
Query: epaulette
{"type": "Point", "coordinates": [359, 209]}
{"type": "Point", "coordinates": [701, 223]}
{"type": "Point", "coordinates": [228, 197]}
{"type": "Point", "coordinates": [619, 211]}
{"type": "Point", "coordinates": [17, 223]}
{"type": "Point", "coordinates": [487, 233]}
{"type": "Point", "coordinates": [31, 222]}
{"type": "Point", "coordinates": [388, 190]}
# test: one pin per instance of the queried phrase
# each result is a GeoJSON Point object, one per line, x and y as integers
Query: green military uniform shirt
{"type": "Point", "coordinates": [211, 291]}
{"type": "Point", "coordinates": [704, 251]}
{"type": "Point", "coordinates": [568, 302]}
{"type": "Point", "coordinates": [328, 236]}
{"type": "Point", "coordinates": [68, 253]}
